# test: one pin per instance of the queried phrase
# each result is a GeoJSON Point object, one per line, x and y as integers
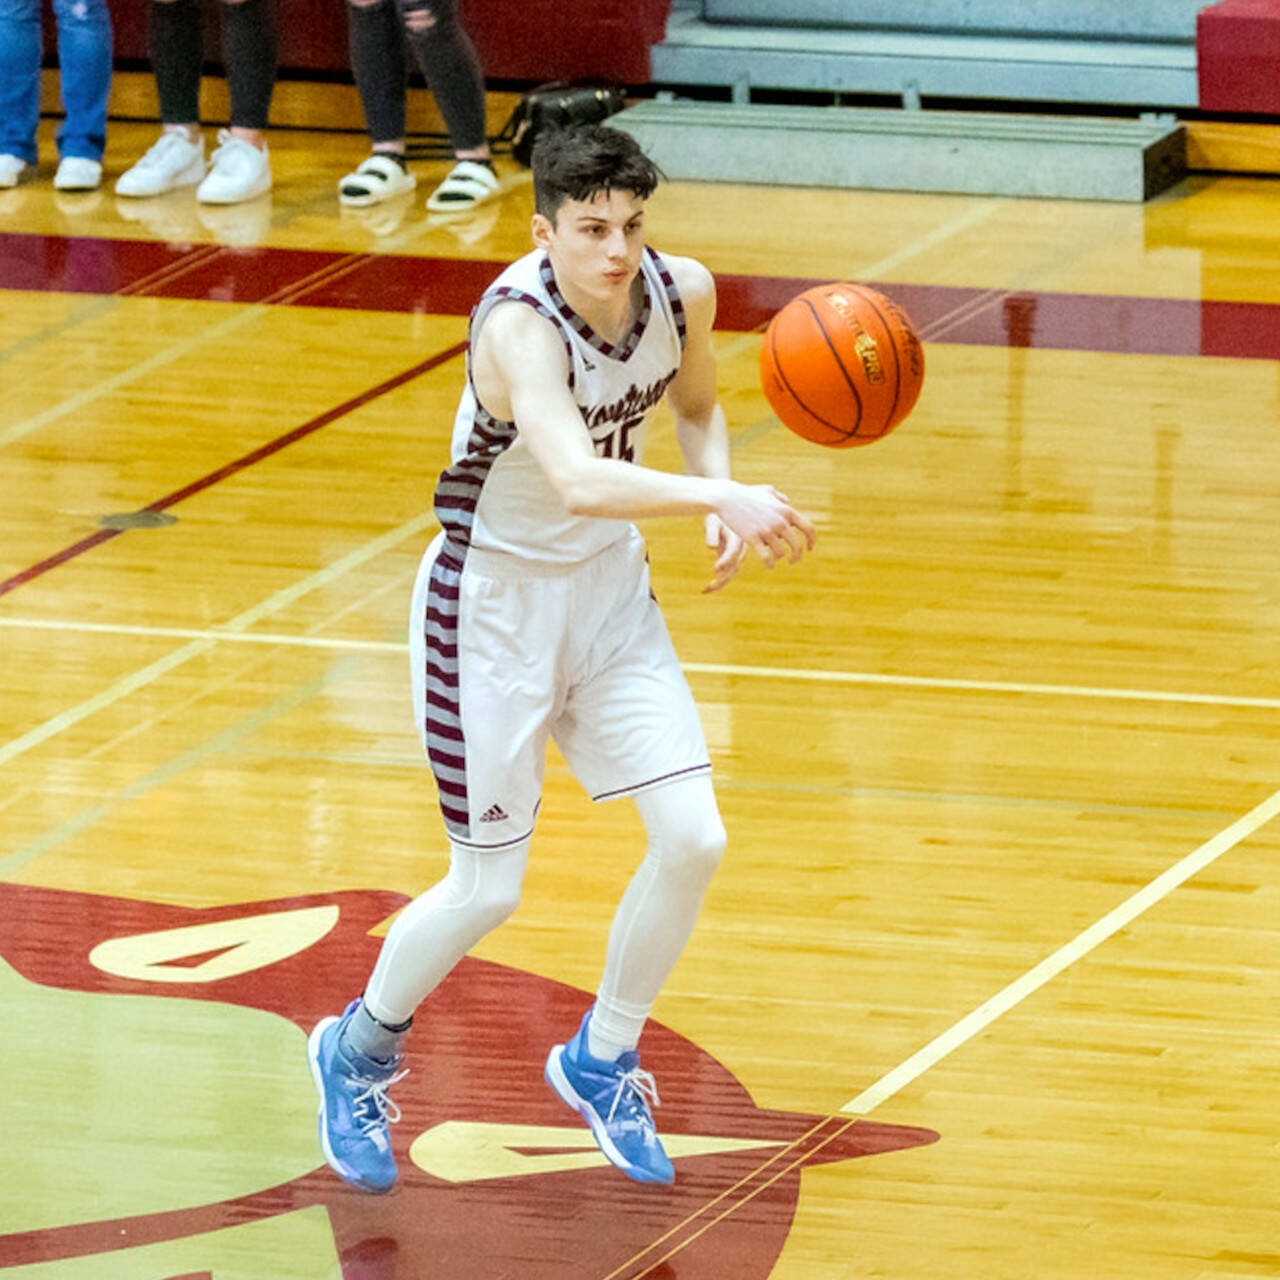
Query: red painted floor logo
{"type": "Point", "coordinates": [497, 1178]}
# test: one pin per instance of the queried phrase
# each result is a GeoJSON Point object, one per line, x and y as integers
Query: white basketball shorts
{"type": "Point", "coordinates": [507, 652]}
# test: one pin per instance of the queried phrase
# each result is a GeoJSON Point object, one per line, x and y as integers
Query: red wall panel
{"type": "Point", "coordinates": [526, 40]}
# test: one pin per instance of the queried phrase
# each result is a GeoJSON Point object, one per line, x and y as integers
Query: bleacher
{"type": "Point", "coordinates": [1051, 98]}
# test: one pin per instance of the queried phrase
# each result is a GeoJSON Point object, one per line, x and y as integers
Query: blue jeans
{"type": "Point", "coordinates": [84, 57]}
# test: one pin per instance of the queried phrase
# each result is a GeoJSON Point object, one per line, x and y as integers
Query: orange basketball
{"type": "Point", "coordinates": [841, 364]}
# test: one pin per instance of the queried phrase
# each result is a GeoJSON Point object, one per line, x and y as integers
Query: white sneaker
{"type": "Point", "coordinates": [239, 171]}
{"type": "Point", "coordinates": [171, 162]}
{"type": "Point", "coordinates": [11, 170]}
{"type": "Point", "coordinates": [78, 173]}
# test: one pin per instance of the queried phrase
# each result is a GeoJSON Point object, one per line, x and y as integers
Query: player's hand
{"type": "Point", "coordinates": [730, 551]}
{"type": "Point", "coordinates": [765, 520]}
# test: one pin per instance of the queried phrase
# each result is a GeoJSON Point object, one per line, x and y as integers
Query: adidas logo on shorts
{"type": "Point", "coordinates": [495, 813]}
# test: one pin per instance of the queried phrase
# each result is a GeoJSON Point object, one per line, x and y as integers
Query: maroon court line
{"type": "Point", "coordinates": [232, 468]}
{"type": "Point", "coordinates": [1120, 324]}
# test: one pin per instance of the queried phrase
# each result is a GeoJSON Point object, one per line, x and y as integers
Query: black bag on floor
{"type": "Point", "coordinates": [555, 105]}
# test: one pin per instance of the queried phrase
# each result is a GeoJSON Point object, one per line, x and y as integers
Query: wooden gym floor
{"type": "Point", "coordinates": [988, 985]}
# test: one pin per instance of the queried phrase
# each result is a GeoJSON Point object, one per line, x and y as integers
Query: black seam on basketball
{"type": "Point", "coordinates": [835, 355]}
{"type": "Point", "coordinates": [791, 391]}
{"type": "Point", "coordinates": [870, 300]}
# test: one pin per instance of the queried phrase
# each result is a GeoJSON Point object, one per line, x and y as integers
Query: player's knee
{"type": "Point", "coordinates": [483, 889]}
{"type": "Point", "coordinates": [494, 904]}
{"type": "Point", "coordinates": [698, 852]}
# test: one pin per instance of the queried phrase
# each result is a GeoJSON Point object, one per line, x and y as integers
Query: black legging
{"type": "Point", "coordinates": [175, 41]}
{"type": "Point", "coordinates": [443, 51]}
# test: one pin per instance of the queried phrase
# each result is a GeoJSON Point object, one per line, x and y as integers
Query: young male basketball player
{"type": "Point", "coordinates": [532, 616]}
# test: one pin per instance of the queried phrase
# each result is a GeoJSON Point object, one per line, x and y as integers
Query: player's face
{"type": "Point", "coordinates": [595, 245]}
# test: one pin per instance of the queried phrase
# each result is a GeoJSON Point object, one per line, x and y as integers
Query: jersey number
{"type": "Point", "coordinates": [618, 443]}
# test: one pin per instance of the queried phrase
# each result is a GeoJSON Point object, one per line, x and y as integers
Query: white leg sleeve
{"type": "Point", "coordinates": [439, 927]}
{"type": "Point", "coordinates": [658, 910]}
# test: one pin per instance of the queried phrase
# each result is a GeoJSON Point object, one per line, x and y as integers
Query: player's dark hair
{"type": "Point", "coordinates": [580, 161]}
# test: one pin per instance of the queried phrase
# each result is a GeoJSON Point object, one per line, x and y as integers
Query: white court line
{"type": "Point", "coordinates": [985, 1014]}
{"type": "Point", "coordinates": [983, 686]}
{"type": "Point", "coordinates": [214, 634]}
{"type": "Point", "coordinates": [205, 640]}
{"type": "Point", "coordinates": [58, 835]}
{"type": "Point", "coordinates": [103, 386]}
{"type": "Point", "coordinates": [930, 240]}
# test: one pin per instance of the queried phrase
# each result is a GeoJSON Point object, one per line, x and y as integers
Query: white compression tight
{"type": "Point", "coordinates": [653, 922]}
{"type": "Point", "coordinates": [438, 928]}
{"type": "Point", "coordinates": [658, 910]}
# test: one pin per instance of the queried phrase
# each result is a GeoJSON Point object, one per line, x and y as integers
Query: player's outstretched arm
{"type": "Point", "coordinates": [770, 526]}
{"type": "Point", "coordinates": [521, 375]}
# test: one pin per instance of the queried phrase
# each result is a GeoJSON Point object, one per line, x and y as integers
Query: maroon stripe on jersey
{"type": "Point", "coordinates": [454, 502]}
{"type": "Point", "coordinates": [442, 673]}
{"type": "Point", "coordinates": [461, 484]}
{"type": "Point", "coordinates": [568, 314]}
{"type": "Point", "coordinates": [673, 294]}
{"type": "Point", "coordinates": [453, 817]}
{"type": "Point", "coordinates": [446, 748]}
{"type": "Point", "coordinates": [621, 352]}
{"type": "Point", "coordinates": [456, 790]}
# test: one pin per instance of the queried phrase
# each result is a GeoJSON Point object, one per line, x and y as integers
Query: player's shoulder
{"type": "Point", "coordinates": [517, 341]}
{"type": "Point", "coordinates": [515, 317]}
{"type": "Point", "coordinates": [692, 279]}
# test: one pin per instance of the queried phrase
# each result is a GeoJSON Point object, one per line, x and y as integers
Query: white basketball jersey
{"type": "Point", "coordinates": [494, 496]}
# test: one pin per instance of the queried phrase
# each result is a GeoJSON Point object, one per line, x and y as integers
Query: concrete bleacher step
{"type": "Point", "coordinates": [942, 64]}
{"type": "Point", "coordinates": [1086, 19]}
{"type": "Point", "coordinates": [970, 153]}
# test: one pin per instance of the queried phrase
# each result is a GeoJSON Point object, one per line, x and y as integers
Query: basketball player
{"type": "Point", "coordinates": [532, 616]}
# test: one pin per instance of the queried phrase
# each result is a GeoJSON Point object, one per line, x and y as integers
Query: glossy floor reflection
{"type": "Point", "coordinates": [1026, 676]}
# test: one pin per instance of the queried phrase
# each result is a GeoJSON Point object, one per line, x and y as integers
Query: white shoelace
{"type": "Point", "coordinates": [383, 1110]}
{"type": "Point", "coordinates": [234, 155]}
{"type": "Point", "coordinates": [639, 1082]}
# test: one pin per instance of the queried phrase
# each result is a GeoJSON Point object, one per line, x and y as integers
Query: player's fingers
{"type": "Point", "coordinates": [727, 563]}
{"type": "Point", "coordinates": [763, 547]}
{"type": "Point", "coordinates": [780, 544]}
{"type": "Point", "coordinates": [721, 579]}
{"type": "Point", "coordinates": [795, 545]}
{"type": "Point", "coordinates": [729, 558]}
{"type": "Point", "coordinates": [806, 527]}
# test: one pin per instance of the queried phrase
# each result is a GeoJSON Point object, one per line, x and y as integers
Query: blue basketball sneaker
{"type": "Point", "coordinates": [355, 1112]}
{"type": "Point", "coordinates": [613, 1098]}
